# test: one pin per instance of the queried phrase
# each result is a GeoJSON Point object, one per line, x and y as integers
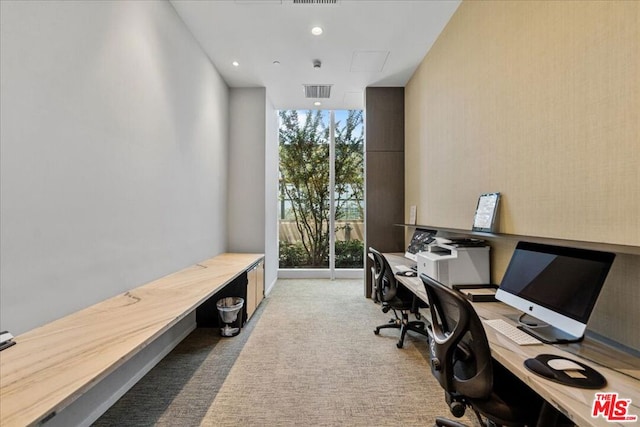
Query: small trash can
{"type": "Point", "coordinates": [230, 315]}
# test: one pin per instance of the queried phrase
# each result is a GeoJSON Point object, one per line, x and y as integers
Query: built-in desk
{"type": "Point", "coordinates": [621, 370]}
{"type": "Point", "coordinates": [51, 366]}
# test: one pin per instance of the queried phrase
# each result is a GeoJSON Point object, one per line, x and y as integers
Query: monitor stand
{"type": "Point", "coordinates": [543, 331]}
{"type": "Point", "coordinates": [550, 335]}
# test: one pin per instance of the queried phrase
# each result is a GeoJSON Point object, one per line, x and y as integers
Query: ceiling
{"type": "Point", "coordinates": [364, 43]}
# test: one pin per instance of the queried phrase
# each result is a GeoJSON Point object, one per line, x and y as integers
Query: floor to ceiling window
{"type": "Point", "coordinates": [321, 189]}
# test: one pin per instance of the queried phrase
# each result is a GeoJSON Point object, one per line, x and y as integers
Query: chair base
{"type": "Point", "coordinates": [443, 422]}
{"type": "Point", "coordinates": [549, 417]}
{"type": "Point", "coordinates": [404, 324]}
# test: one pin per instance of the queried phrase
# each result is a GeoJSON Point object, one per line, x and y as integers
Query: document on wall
{"type": "Point", "coordinates": [486, 212]}
{"type": "Point", "coordinates": [413, 215]}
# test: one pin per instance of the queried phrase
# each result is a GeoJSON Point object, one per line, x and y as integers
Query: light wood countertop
{"type": "Point", "coordinates": [51, 366]}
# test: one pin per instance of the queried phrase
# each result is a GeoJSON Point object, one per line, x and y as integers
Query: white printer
{"type": "Point", "coordinates": [456, 262]}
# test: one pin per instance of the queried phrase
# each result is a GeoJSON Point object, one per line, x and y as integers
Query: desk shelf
{"type": "Point", "coordinates": [598, 246]}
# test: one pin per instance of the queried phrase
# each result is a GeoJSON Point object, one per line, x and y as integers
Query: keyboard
{"type": "Point", "coordinates": [513, 333]}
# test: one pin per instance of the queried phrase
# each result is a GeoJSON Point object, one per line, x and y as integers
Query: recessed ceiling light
{"type": "Point", "coordinates": [316, 31]}
{"type": "Point", "coordinates": [317, 103]}
{"type": "Point", "coordinates": [235, 63]}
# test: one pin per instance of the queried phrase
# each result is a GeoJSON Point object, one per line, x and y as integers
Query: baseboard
{"type": "Point", "coordinates": [320, 273]}
{"type": "Point", "coordinates": [269, 288]}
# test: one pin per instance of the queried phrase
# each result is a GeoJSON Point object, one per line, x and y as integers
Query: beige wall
{"type": "Point", "coordinates": [541, 102]}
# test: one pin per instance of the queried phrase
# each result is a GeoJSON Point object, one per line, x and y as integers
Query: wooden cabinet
{"type": "Point", "coordinates": [260, 285]}
{"type": "Point", "coordinates": [255, 287]}
{"type": "Point", "coordinates": [384, 157]}
{"type": "Point", "coordinates": [252, 293]}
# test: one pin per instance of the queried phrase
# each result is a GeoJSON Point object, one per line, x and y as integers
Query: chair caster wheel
{"type": "Point", "coordinates": [399, 345]}
{"type": "Point", "coordinates": [376, 331]}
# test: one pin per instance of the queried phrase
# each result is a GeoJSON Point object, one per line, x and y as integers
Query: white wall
{"type": "Point", "coordinates": [272, 161]}
{"type": "Point", "coordinates": [252, 205]}
{"type": "Point", "coordinates": [114, 130]}
{"type": "Point", "coordinates": [246, 198]}
{"type": "Point", "coordinates": [253, 177]}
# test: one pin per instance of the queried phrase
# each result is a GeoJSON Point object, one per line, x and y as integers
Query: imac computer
{"type": "Point", "coordinates": [556, 285]}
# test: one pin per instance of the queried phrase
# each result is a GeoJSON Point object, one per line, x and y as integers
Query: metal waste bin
{"type": "Point", "coordinates": [230, 315]}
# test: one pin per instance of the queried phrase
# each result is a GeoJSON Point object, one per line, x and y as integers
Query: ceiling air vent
{"type": "Point", "coordinates": [315, 1]}
{"type": "Point", "coordinates": [317, 91]}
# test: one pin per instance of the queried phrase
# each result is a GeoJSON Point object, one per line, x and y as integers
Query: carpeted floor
{"type": "Point", "coordinates": [307, 357]}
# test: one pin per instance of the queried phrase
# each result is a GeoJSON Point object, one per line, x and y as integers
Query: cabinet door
{"type": "Point", "coordinates": [252, 302]}
{"type": "Point", "coordinates": [260, 283]}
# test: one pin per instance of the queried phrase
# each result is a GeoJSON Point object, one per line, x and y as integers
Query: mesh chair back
{"type": "Point", "coordinates": [386, 284]}
{"type": "Point", "coordinates": [460, 353]}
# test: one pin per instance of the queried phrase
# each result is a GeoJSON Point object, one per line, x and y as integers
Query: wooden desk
{"type": "Point", "coordinates": [621, 370]}
{"type": "Point", "coordinates": [51, 366]}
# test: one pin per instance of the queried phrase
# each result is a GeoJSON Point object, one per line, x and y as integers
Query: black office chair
{"type": "Point", "coordinates": [394, 297]}
{"type": "Point", "coordinates": [461, 362]}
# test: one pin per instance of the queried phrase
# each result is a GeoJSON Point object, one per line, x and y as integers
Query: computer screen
{"type": "Point", "coordinates": [557, 285]}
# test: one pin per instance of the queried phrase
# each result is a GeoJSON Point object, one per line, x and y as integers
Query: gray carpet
{"type": "Point", "coordinates": [308, 357]}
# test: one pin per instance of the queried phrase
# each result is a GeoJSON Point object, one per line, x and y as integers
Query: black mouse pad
{"type": "Point", "coordinates": [590, 377]}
